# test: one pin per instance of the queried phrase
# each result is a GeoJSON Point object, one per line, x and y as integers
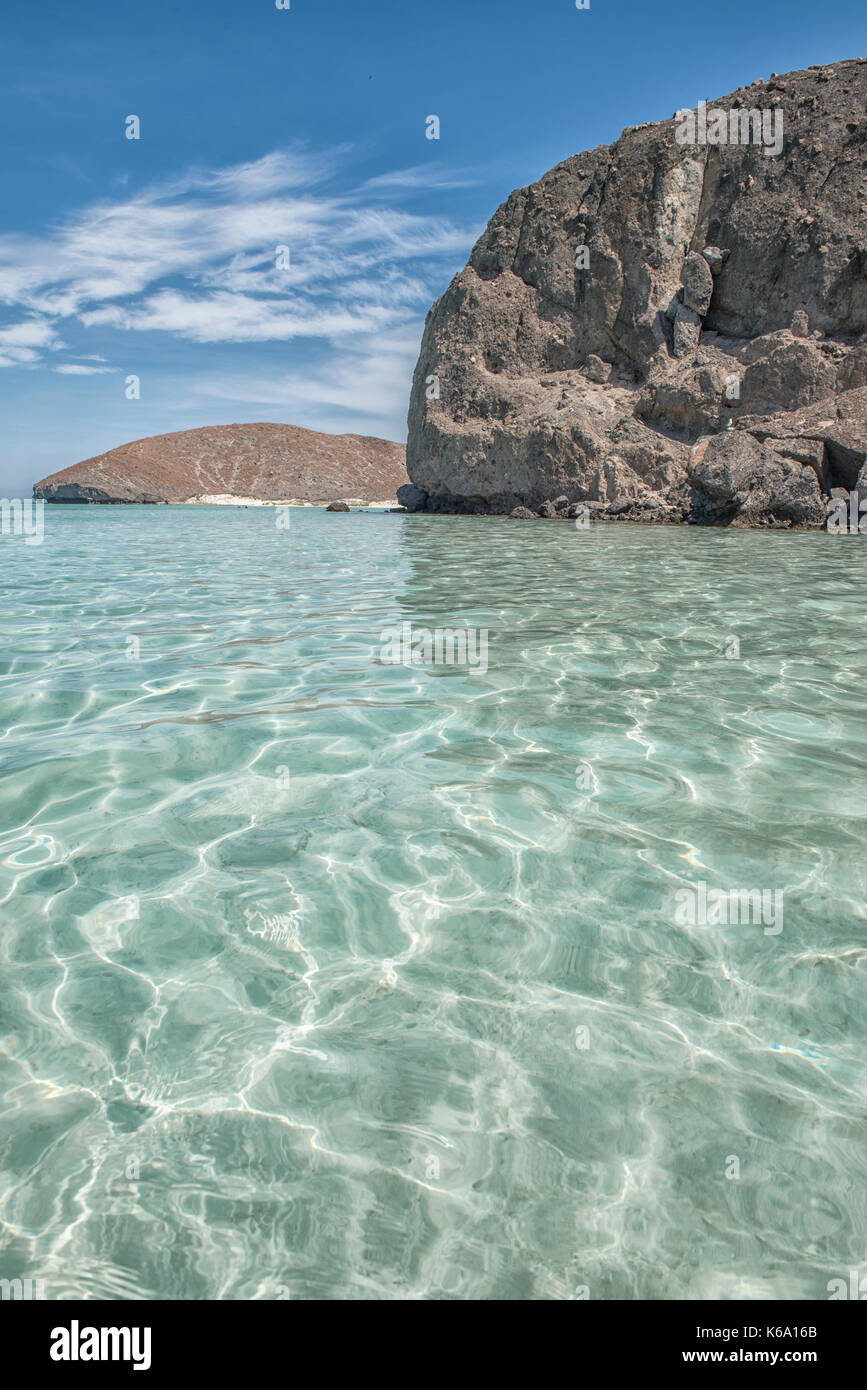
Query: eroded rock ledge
{"type": "Point", "coordinates": [663, 331]}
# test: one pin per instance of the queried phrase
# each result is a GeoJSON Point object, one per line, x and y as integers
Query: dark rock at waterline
{"type": "Point", "coordinates": [523, 514]}
{"type": "Point", "coordinates": [411, 498]}
{"type": "Point", "coordinates": [743, 482]}
{"type": "Point", "coordinates": [337, 507]}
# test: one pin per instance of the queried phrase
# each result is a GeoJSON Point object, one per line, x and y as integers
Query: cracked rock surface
{"type": "Point", "coordinates": [721, 290]}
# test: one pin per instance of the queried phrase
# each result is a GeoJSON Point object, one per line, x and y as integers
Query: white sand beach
{"type": "Point", "coordinates": [226, 499]}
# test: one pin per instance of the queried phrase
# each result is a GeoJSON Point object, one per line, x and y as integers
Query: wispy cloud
{"type": "Point", "coordinates": [20, 343]}
{"type": "Point", "coordinates": [353, 381]}
{"type": "Point", "coordinates": [243, 254]}
{"type": "Point", "coordinates": [223, 317]}
{"type": "Point", "coordinates": [77, 369]}
{"type": "Point", "coordinates": [422, 176]}
{"type": "Point", "coordinates": [31, 333]}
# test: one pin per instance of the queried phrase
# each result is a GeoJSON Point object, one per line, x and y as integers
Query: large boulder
{"type": "Point", "coordinates": [740, 481]}
{"type": "Point", "coordinates": [697, 283]}
{"type": "Point", "coordinates": [644, 293]}
{"type": "Point", "coordinates": [792, 372]}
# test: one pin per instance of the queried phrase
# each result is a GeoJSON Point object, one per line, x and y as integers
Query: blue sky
{"type": "Point", "coordinates": [302, 128]}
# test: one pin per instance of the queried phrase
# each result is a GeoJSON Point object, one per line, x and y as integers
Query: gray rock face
{"type": "Point", "coordinates": [836, 427]}
{"type": "Point", "coordinates": [853, 372]}
{"type": "Point", "coordinates": [645, 294]}
{"type": "Point", "coordinates": [687, 332]}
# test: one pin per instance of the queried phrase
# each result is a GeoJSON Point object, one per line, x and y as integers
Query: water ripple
{"type": "Point", "coordinates": [325, 977]}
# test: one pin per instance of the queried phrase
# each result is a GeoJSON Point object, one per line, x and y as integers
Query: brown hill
{"type": "Point", "coordinates": [271, 462]}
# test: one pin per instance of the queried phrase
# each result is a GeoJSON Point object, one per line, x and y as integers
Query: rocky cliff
{"type": "Point", "coordinates": [671, 327]}
{"type": "Point", "coordinates": [271, 462]}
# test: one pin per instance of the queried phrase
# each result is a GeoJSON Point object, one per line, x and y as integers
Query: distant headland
{"type": "Point", "coordinates": [248, 463]}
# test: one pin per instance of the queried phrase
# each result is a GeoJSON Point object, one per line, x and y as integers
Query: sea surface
{"type": "Point", "coordinates": [326, 976]}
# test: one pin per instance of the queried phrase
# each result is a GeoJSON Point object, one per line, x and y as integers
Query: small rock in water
{"type": "Point", "coordinates": [523, 514]}
{"type": "Point", "coordinates": [337, 507]}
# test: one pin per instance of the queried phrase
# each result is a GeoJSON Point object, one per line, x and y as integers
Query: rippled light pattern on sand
{"type": "Point", "coordinates": [329, 978]}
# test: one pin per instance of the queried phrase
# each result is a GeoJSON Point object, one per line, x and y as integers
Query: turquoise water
{"type": "Point", "coordinates": [325, 977]}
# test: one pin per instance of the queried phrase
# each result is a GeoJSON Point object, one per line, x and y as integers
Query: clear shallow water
{"type": "Point", "coordinates": [314, 1035]}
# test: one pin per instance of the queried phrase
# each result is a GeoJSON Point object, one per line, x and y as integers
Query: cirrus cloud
{"type": "Point", "coordinates": [200, 256]}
